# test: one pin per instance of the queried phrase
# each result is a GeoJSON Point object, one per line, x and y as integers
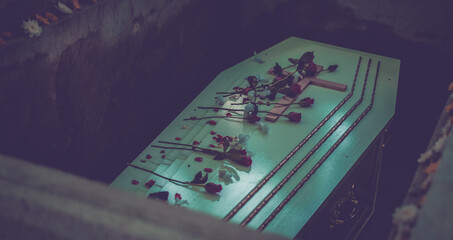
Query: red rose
{"type": "Point", "coordinates": [134, 182]}
{"type": "Point", "coordinates": [148, 156]}
{"type": "Point", "coordinates": [294, 117]}
{"type": "Point", "coordinates": [213, 188]}
{"type": "Point", "coordinates": [219, 138]}
{"type": "Point", "coordinates": [228, 114]}
{"type": "Point", "coordinates": [177, 138]}
{"type": "Point", "coordinates": [150, 183]}
{"type": "Point", "coordinates": [208, 170]}
{"type": "Point", "coordinates": [163, 156]}
{"type": "Point", "coordinates": [211, 122]}
{"type": "Point", "coordinates": [199, 159]}
{"type": "Point", "coordinates": [295, 89]}
{"type": "Point", "coordinates": [243, 152]}
{"type": "Point", "coordinates": [245, 161]}
{"type": "Point", "coordinates": [246, 90]}
{"type": "Point", "coordinates": [311, 67]}
{"type": "Point", "coordinates": [195, 143]}
{"type": "Point", "coordinates": [178, 196]}
{"type": "Point", "coordinates": [310, 100]}
{"type": "Point", "coordinates": [253, 118]}
{"type": "Point", "coordinates": [306, 102]}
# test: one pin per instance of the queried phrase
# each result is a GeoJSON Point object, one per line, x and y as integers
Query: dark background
{"type": "Point", "coordinates": [101, 101]}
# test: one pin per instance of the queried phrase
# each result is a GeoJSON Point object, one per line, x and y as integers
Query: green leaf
{"type": "Point", "coordinates": [278, 70]}
{"type": "Point", "coordinates": [332, 68]}
{"type": "Point", "coordinates": [252, 81]}
{"type": "Point", "coordinates": [306, 58]}
{"type": "Point", "coordinates": [199, 178]}
{"type": "Point", "coordinates": [234, 154]}
{"type": "Point", "coordinates": [219, 156]}
{"type": "Point", "coordinates": [226, 144]}
{"type": "Point", "coordinates": [293, 60]}
{"type": "Point", "coordinates": [210, 151]}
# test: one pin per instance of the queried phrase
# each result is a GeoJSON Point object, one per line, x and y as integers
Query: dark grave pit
{"type": "Point", "coordinates": [97, 86]}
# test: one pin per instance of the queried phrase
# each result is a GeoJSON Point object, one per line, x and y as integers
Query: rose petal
{"type": "Point", "coordinates": [212, 145]}
{"type": "Point", "coordinates": [213, 133]}
{"type": "Point", "coordinates": [163, 156]}
{"type": "Point", "coordinates": [178, 196]}
{"type": "Point", "coordinates": [142, 160]}
{"type": "Point", "coordinates": [163, 151]}
{"type": "Point", "coordinates": [150, 183]}
{"type": "Point", "coordinates": [134, 182]}
{"type": "Point", "coordinates": [199, 159]}
{"type": "Point", "coordinates": [177, 138]}
{"type": "Point", "coordinates": [148, 156]}
{"type": "Point", "coordinates": [195, 143]}
{"type": "Point", "coordinates": [208, 170]}
{"type": "Point", "coordinates": [228, 114]}
{"type": "Point", "coordinates": [211, 122]}
{"type": "Point", "coordinates": [213, 188]}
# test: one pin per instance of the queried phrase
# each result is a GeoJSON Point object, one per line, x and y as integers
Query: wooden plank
{"type": "Point", "coordinates": [328, 84]}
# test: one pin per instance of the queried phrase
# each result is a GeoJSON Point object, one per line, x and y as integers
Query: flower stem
{"type": "Point", "coordinates": [166, 178]}
{"type": "Point", "coordinates": [228, 109]}
{"type": "Point", "coordinates": [271, 103]}
{"type": "Point", "coordinates": [183, 144]}
{"type": "Point", "coordinates": [208, 117]}
{"type": "Point", "coordinates": [232, 93]}
{"type": "Point", "coordinates": [286, 104]}
{"type": "Point", "coordinates": [179, 148]}
{"type": "Point", "coordinates": [281, 80]}
{"type": "Point", "coordinates": [220, 108]}
{"type": "Point", "coordinates": [290, 66]}
{"type": "Point", "coordinates": [201, 118]}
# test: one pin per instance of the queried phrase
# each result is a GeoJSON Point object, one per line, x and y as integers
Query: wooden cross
{"type": "Point", "coordinates": [286, 101]}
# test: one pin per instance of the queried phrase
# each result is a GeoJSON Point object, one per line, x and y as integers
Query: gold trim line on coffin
{"type": "Point", "coordinates": [328, 153]}
{"type": "Point", "coordinates": [279, 186]}
{"type": "Point", "coordinates": [299, 146]}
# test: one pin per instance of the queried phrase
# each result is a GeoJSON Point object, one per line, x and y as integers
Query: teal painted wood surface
{"type": "Point", "coordinates": [283, 136]}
